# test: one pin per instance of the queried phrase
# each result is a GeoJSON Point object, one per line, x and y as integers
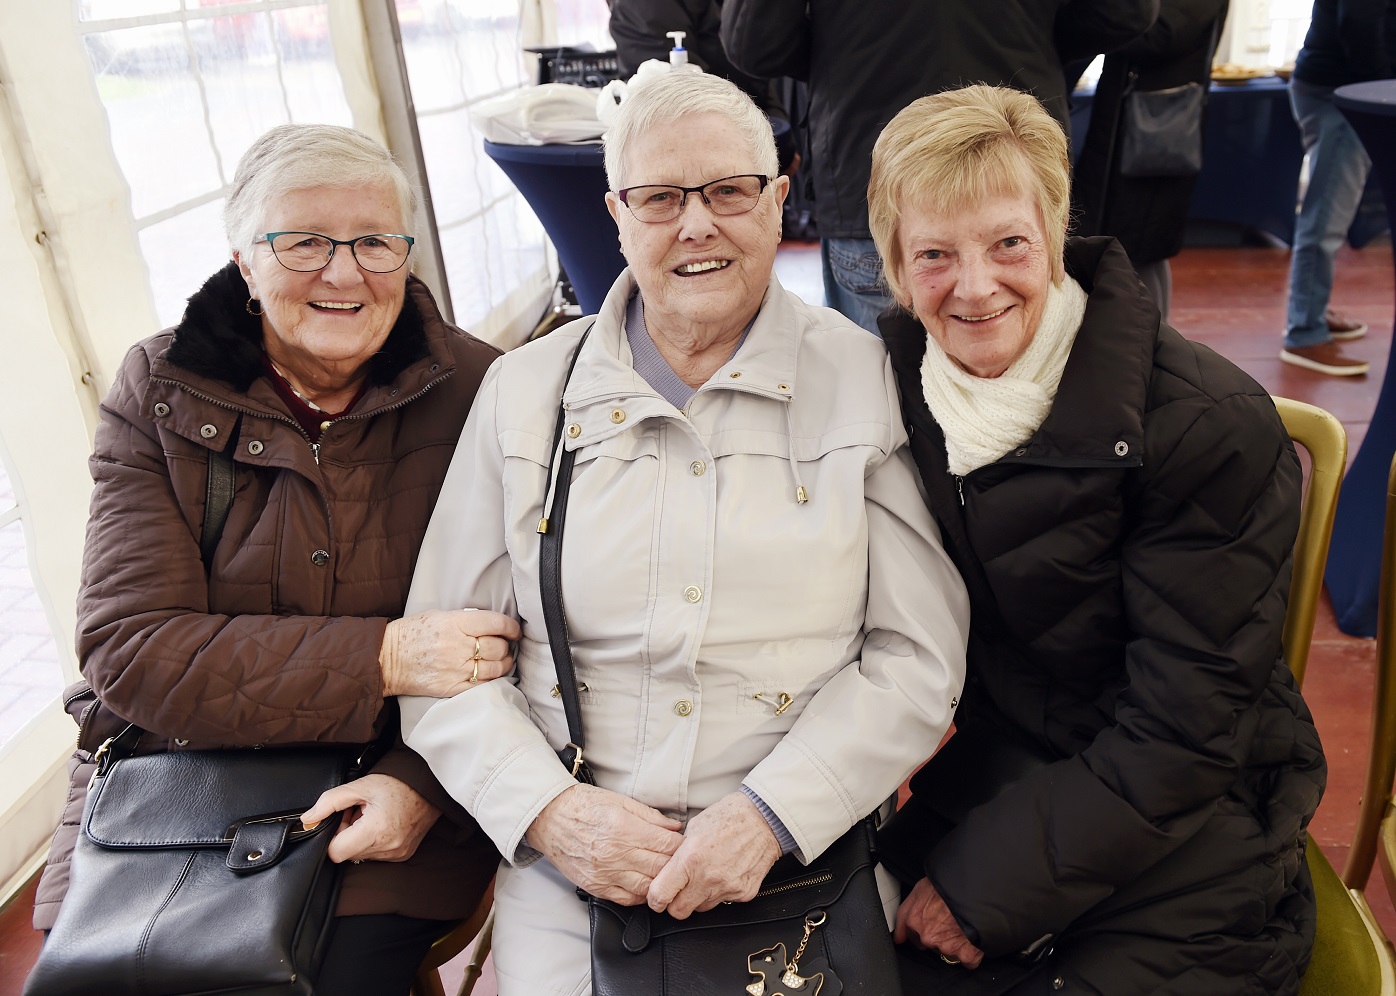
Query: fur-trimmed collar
{"type": "Point", "coordinates": [218, 338]}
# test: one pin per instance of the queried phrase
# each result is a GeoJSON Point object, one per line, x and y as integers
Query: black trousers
{"type": "Point", "coordinates": [376, 955]}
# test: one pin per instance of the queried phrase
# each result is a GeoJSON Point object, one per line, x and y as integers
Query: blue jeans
{"type": "Point", "coordinates": [853, 280]}
{"type": "Point", "coordinates": [1338, 167]}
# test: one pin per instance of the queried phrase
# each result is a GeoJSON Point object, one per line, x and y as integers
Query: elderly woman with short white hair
{"type": "Point", "coordinates": [327, 376]}
{"type": "Point", "coordinates": [1122, 807]}
{"type": "Point", "coordinates": [766, 632]}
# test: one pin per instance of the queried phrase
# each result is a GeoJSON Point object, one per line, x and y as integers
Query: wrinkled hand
{"type": "Point", "coordinates": [727, 850]}
{"type": "Point", "coordinates": [431, 653]}
{"type": "Point", "coordinates": [924, 918]}
{"type": "Point", "coordinates": [605, 843]}
{"type": "Point", "coordinates": [384, 820]}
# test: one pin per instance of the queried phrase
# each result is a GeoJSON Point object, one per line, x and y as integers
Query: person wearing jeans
{"type": "Point", "coordinates": [853, 280]}
{"type": "Point", "coordinates": [1348, 41]}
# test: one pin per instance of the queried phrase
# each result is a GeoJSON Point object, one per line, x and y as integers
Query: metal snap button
{"type": "Point", "coordinates": [693, 593]}
{"type": "Point", "coordinates": [1059, 983]}
{"type": "Point", "coordinates": [1121, 448]}
{"type": "Point", "coordinates": [683, 707]}
{"type": "Point", "coordinates": [320, 558]}
{"type": "Point", "coordinates": [435, 367]}
{"type": "Point", "coordinates": [254, 855]}
{"type": "Point", "coordinates": [782, 387]}
{"type": "Point", "coordinates": [181, 743]}
{"type": "Point", "coordinates": [255, 447]}
{"type": "Point", "coordinates": [574, 430]}
{"type": "Point", "coordinates": [325, 424]}
{"type": "Point", "coordinates": [735, 374]}
{"type": "Point", "coordinates": [698, 467]}
{"type": "Point", "coordinates": [618, 415]}
{"type": "Point", "coordinates": [955, 702]}
{"type": "Point", "coordinates": [161, 409]}
{"type": "Point", "coordinates": [208, 431]}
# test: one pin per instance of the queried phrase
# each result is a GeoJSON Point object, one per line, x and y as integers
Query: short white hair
{"type": "Point", "coordinates": [304, 156]}
{"type": "Point", "coordinates": [674, 95]}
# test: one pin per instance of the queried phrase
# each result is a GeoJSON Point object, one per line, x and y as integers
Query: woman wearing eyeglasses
{"type": "Point", "coordinates": [765, 629]}
{"type": "Point", "coordinates": [325, 370]}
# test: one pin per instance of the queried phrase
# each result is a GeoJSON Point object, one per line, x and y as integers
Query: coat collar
{"type": "Point", "coordinates": [764, 365]}
{"type": "Point", "coordinates": [1097, 417]}
{"type": "Point", "coordinates": [217, 347]}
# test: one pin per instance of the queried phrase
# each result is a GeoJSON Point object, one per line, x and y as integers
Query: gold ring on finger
{"type": "Point", "coordinates": [476, 656]}
{"type": "Point", "coordinates": [475, 671]}
{"type": "Point", "coordinates": [948, 960]}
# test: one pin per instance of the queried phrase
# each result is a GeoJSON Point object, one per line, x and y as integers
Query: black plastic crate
{"type": "Point", "coordinates": [578, 66]}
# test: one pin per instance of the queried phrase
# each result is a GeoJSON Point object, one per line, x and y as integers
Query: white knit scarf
{"type": "Point", "coordinates": [985, 417]}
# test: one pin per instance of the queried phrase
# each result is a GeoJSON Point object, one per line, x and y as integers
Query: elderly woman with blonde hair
{"type": "Point", "coordinates": [767, 634]}
{"type": "Point", "coordinates": [1122, 807]}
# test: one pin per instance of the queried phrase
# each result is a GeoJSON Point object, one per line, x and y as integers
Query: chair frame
{"type": "Point", "coordinates": [478, 927]}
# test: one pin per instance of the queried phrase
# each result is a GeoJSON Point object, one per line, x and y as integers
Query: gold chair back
{"type": "Point", "coordinates": [1351, 956]}
{"type": "Point", "coordinates": [1326, 442]}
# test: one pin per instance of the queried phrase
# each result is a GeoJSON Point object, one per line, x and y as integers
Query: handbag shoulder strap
{"type": "Point", "coordinates": [550, 583]}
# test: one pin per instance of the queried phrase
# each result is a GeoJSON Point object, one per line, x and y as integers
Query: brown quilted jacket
{"type": "Point", "coordinates": [279, 645]}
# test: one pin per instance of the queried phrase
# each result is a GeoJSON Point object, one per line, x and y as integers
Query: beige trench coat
{"type": "Point", "coordinates": [698, 591]}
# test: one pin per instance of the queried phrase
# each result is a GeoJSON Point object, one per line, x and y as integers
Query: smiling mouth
{"type": "Point", "coordinates": [981, 318]}
{"type": "Point", "coordinates": [335, 306]}
{"type": "Point", "coordinates": [688, 269]}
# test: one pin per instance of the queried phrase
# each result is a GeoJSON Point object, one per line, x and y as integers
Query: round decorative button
{"type": "Point", "coordinates": [1059, 982]}
{"type": "Point", "coordinates": [782, 387]}
{"type": "Point", "coordinates": [320, 558]}
{"type": "Point", "coordinates": [1121, 448]}
{"type": "Point", "coordinates": [574, 430]}
{"type": "Point", "coordinates": [208, 431]}
{"type": "Point", "coordinates": [181, 743]}
{"type": "Point", "coordinates": [618, 415]}
{"type": "Point", "coordinates": [698, 467]}
{"type": "Point", "coordinates": [693, 593]}
{"type": "Point", "coordinates": [161, 409]}
{"type": "Point", "coordinates": [683, 707]}
{"type": "Point", "coordinates": [255, 447]}
{"type": "Point", "coordinates": [735, 374]}
{"type": "Point", "coordinates": [325, 424]}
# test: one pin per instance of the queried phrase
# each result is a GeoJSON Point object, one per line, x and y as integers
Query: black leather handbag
{"type": "Point", "coordinates": [815, 930]}
{"type": "Point", "coordinates": [1163, 132]}
{"type": "Point", "coordinates": [193, 874]}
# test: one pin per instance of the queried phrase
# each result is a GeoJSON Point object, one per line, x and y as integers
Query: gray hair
{"type": "Point", "coordinates": [302, 156]}
{"type": "Point", "coordinates": [674, 95]}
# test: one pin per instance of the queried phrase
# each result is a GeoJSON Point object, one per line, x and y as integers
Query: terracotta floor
{"type": "Point", "coordinates": [1232, 299]}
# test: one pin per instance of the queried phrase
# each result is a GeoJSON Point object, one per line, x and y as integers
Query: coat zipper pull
{"type": "Point", "coordinates": [315, 452]}
{"type": "Point", "coordinates": [960, 487]}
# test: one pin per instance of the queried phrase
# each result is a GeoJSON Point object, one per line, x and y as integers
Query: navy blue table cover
{"type": "Point", "coordinates": [1354, 559]}
{"type": "Point", "coordinates": [565, 185]}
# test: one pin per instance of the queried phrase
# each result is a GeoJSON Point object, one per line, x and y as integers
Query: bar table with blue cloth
{"type": "Point", "coordinates": [1354, 559]}
{"type": "Point", "coordinates": [565, 185]}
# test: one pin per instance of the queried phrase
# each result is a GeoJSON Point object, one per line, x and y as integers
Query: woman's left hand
{"type": "Point", "coordinates": [384, 819]}
{"type": "Point", "coordinates": [925, 920]}
{"type": "Point", "coordinates": [726, 852]}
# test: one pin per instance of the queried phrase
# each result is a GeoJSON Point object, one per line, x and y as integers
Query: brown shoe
{"type": "Point", "coordinates": [1326, 358]}
{"type": "Point", "coordinates": [1343, 328]}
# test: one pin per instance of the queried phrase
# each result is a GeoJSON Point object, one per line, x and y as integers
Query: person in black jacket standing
{"type": "Point", "coordinates": [1122, 807]}
{"type": "Point", "coordinates": [1146, 213]}
{"type": "Point", "coordinates": [1348, 41]}
{"type": "Point", "coordinates": [865, 60]}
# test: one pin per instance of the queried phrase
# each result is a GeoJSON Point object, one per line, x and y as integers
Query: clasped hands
{"type": "Point", "coordinates": [622, 850]}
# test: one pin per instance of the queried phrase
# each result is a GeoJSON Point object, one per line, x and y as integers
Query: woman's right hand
{"type": "Point", "coordinates": [442, 652]}
{"type": "Point", "coordinates": [605, 843]}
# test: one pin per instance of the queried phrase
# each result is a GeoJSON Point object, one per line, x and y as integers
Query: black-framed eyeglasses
{"type": "Point", "coordinates": [308, 251]}
{"type": "Point", "coordinates": [657, 202]}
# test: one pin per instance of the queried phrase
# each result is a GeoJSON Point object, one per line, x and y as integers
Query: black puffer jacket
{"type": "Point", "coordinates": [1128, 569]}
{"type": "Point", "coordinates": [865, 60]}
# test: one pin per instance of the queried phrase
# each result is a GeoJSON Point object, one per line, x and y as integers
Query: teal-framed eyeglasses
{"type": "Point", "coordinates": [306, 252]}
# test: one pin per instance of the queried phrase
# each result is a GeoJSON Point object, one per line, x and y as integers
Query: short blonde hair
{"type": "Point", "coordinates": [952, 149]}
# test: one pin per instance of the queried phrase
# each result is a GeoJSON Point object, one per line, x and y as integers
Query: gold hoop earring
{"type": "Point", "coordinates": [248, 307]}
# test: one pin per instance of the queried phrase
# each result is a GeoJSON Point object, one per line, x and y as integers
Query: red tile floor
{"type": "Point", "coordinates": [1233, 300]}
